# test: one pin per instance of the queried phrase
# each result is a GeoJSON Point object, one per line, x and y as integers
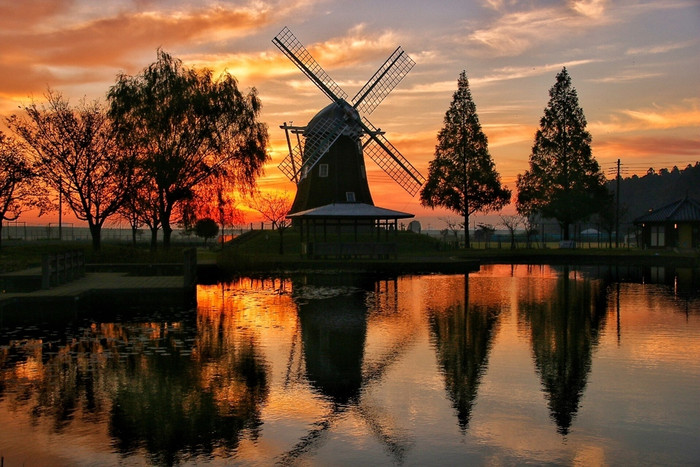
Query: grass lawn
{"type": "Point", "coordinates": [260, 250]}
{"type": "Point", "coordinates": [23, 255]}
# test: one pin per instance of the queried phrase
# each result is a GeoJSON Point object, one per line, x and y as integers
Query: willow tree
{"type": "Point", "coordinates": [462, 176]}
{"type": "Point", "coordinates": [564, 181]}
{"type": "Point", "coordinates": [186, 125]}
{"type": "Point", "coordinates": [73, 150]}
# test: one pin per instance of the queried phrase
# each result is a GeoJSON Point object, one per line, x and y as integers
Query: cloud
{"type": "Point", "coordinates": [20, 15]}
{"type": "Point", "coordinates": [89, 46]}
{"type": "Point", "coordinates": [511, 73]}
{"type": "Point", "coordinates": [506, 134]}
{"type": "Point", "coordinates": [656, 118]}
{"type": "Point", "coordinates": [357, 48]}
{"type": "Point", "coordinates": [661, 48]}
{"type": "Point", "coordinates": [590, 8]}
{"type": "Point", "coordinates": [626, 76]}
{"type": "Point", "coordinates": [646, 151]}
{"type": "Point", "coordinates": [516, 32]}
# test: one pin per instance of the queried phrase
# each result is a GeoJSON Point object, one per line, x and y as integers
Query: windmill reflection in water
{"type": "Point", "coordinates": [332, 332]}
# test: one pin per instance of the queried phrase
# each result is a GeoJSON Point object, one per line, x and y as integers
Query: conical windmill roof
{"type": "Point", "coordinates": [333, 111]}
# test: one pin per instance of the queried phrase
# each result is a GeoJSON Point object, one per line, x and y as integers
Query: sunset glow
{"type": "Point", "coordinates": [634, 64]}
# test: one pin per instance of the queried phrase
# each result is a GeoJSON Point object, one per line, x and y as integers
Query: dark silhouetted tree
{"type": "Point", "coordinates": [206, 228]}
{"type": "Point", "coordinates": [564, 181]}
{"type": "Point", "coordinates": [17, 191]}
{"type": "Point", "coordinates": [462, 176]}
{"type": "Point", "coordinates": [216, 198]}
{"type": "Point", "coordinates": [186, 125]}
{"type": "Point", "coordinates": [511, 223]}
{"type": "Point", "coordinates": [274, 207]}
{"type": "Point", "coordinates": [141, 207]}
{"type": "Point", "coordinates": [73, 150]}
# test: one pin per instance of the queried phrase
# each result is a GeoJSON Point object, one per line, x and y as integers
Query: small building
{"type": "Point", "coordinates": [347, 230]}
{"type": "Point", "coordinates": [676, 225]}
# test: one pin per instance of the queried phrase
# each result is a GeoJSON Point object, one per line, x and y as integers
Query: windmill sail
{"type": "Point", "coordinates": [291, 165]}
{"type": "Point", "coordinates": [318, 141]}
{"type": "Point", "coordinates": [383, 82]}
{"type": "Point", "coordinates": [297, 53]}
{"type": "Point", "coordinates": [391, 161]}
{"type": "Point", "coordinates": [344, 119]}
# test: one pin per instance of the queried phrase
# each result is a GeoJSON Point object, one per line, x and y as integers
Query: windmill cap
{"type": "Point", "coordinates": [341, 112]}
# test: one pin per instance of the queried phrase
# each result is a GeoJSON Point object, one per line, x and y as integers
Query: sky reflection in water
{"type": "Point", "coordinates": [511, 364]}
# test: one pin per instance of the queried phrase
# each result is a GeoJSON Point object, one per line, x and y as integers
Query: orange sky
{"type": "Point", "coordinates": [635, 65]}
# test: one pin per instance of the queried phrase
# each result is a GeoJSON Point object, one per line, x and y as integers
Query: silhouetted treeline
{"type": "Point", "coordinates": [657, 189]}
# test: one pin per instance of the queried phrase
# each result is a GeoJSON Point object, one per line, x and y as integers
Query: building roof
{"type": "Point", "coordinates": [350, 211]}
{"type": "Point", "coordinates": [685, 210]}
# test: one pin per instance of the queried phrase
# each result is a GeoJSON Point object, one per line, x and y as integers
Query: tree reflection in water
{"type": "Point", "coordinates": [172, 406]}
{"type": "Point", "coordinates": [359, 369]}
{"type": "Point", "coordinates": [564, 328]}
{"type": "Point", "coordinates": [463, 335]}
{"type": "Point", "coordinates": [170, 389]}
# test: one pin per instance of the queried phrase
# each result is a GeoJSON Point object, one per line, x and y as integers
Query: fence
{"type": "Point", "coordinates": [117, 234]}
{"type": "Point", "coordinates": [546, 235]}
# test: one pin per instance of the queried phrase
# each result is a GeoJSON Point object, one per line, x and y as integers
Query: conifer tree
{"type": "Point", "coordinates": [462, 176]}
{"type": "Point", "coordinates": [564, 181]}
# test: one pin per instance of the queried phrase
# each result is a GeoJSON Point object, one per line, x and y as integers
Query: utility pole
{"type": "Point", "coordinates": [60, 208]}
{"type": "Point", "coordinates": [617, 207]}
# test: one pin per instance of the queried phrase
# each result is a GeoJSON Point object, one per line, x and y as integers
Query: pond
{"type": "Point", "coordinates": [507, 365]}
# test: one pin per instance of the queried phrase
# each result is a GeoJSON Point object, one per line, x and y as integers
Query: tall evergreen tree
{"type": "Point", "coordinates": [564, 181]}
{"type": "Point", "coordinates": [462, 176]}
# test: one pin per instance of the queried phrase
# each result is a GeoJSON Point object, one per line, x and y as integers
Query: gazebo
{"type": "Point", "coordinates": [347, 230]}
{"type": "Point", "coordinates": [676, 225]}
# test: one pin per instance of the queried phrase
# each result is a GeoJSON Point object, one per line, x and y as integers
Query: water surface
{"type": "Point", "coordinates": [512, 364]}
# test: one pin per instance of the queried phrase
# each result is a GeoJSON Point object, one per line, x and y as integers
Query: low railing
{"type": "Point", "coordinates": [189, 266]}
{"type": "Point", "coordinates": [59, 268]}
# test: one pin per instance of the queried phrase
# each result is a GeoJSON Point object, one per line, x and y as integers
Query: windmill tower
{"type": "Point", "coordinates": [327, 165]}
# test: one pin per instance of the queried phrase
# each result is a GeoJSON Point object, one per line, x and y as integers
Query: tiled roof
{"type": "Point", "coordinates": [685, 210]}
{"type": "Point", "coordinates": [351, 210]}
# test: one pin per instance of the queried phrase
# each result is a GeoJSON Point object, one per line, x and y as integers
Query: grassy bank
{"type": "Point", "coordinates": [23, 255]}
{"type": "Point", "coordinates": [259, 251]}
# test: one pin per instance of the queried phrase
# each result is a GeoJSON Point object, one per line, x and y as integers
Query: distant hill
{"type": "Point", "coordinates": [656, 189]}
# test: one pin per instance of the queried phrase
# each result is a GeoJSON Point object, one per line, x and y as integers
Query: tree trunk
{"type": "Point", "coordinates": [466, 231]}
{"type": "Point", "coordinates": [96, 233]}
{"type": "Point", "coordinates": [565, 228]}
{"type": "Point", "coordinates": [281, 231]}
{"type": "Point", "coordinates": [154, 238]}
{"type": "Point", "coordinates": [167, 232]}
{"type": "Point", "coordinates": [133, 235]}
{"type": "Point", "coordinates": [0, 234]}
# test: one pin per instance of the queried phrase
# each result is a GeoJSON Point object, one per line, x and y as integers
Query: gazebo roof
{"type": "Point", "coordinates": [350, 211]}
{"type": "Point", "coordinates": [685, 210]}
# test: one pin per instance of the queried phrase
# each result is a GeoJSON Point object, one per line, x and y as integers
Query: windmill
{"type": "Point", "coordinates": [328, 164]}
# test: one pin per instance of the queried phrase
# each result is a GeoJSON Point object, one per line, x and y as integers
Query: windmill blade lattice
{"type": "Point", "coordinates": [325, 133]}
{"type": "Point", "coordinates": [297, 53]}
{"type": "Point", "coordinates": [291, 165]}
{"type": "Point", "coordinates": [383, 82]}
{"type": "Point", "coordinates": [391, 161]}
